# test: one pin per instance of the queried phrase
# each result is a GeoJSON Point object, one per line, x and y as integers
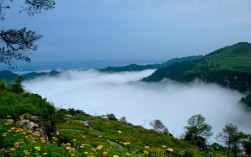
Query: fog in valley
{"type": "Point", "coordinates": [123, 95]}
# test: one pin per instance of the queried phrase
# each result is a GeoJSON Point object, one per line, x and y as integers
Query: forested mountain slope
{"type": "Point", "coordinates": [229, 66]}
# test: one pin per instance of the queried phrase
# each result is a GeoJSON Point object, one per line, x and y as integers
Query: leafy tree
{"type": "Point", "coordinates": [17, 87]}
{"type": "Point", "coordinates": [197, 131]}
{"type": "Point", "coordinates": [157, 125]}
{"type": "Point", "coordinates": [15, 43]}
{"type": "Point", "coordinates": [111, 117]}
{"type": "Point", "coordinates": [237, 140]}
{"type": "Point", "coordinates": [232, 138]}
{"type": "Point", "coordinates": [247, 145]}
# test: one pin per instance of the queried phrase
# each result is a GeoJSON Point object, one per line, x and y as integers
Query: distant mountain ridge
{"type": "Point", "coordinates": [10, 76]}
{"type": "Point", "coordinates": [229, 66]}
{"type": "Point", "coordinates": [136, 67]}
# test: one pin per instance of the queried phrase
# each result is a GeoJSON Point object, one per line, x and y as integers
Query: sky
{"type": "Point", "coordinates": [133, 30]}
{"type": "Point", "coordinates": [122, 94]}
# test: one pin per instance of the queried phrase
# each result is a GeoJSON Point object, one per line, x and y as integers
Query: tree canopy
{"type": "Point", "coordinates": [197, 131]}
{"type": "Point", "coordinates": [15, 44]}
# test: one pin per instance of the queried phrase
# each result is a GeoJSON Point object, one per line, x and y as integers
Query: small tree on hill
{"type": "Point", "coordinates": [232, 138]}
{"type": "Point", "coordinates": [111, 117]}
{"type": "Point", "coordinates": [17, 87]}
{"type": "Point", "coordinates": [197, 131]}
{"type": "Point", "coordinates": [157, 125]}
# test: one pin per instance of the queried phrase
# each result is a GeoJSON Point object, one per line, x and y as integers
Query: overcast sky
{"type": "Point", "coordinates": [135, 30]}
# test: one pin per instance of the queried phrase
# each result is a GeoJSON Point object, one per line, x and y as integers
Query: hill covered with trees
{"type": "Point", "coordinates": [229, 66]}
{"type": "Point", "coordinates": [136, 67]}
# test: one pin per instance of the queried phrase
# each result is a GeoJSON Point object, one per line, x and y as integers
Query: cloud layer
{"type": "Point", "coordinates": [122, 94]}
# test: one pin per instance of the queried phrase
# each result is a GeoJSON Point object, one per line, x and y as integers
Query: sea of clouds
{"type": "Point", "coordinates": [123, 94]}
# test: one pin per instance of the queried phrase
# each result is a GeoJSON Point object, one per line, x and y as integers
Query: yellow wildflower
{"type": "Point", "coordinates": [68, 144]}
{"type": "Point", "coordinates": [38, 148]}
{"type": "Point", "coordinates": [43, 141]}
{"type": "Point", "coordinates": [105, 153]}
{"type": "Point", "coordinates": [26, 153]}
{"type": "Point", "coordinates": [115, 156]}
{"type": "Point", "coordinates": [74, 140]}
{"type": "Point", "coordinates": [45, 153]}
{"type": "Point", "coordinates": [68, 148]}
{"type": "Point", "coordinates": [147, 147]}
{"type": "Point", "coordinates": [126, 143]}
{"type": "Point", "coordinates": [73, 155]}
{"type": "Point", "coordinates": [145, 152]}
{"type": "Point", "coordinates": [99, 147]}
{"type": "Point", "coordinates": [12, 128]}
{"type": "Point", "coordinates": [16, 143]}
{"type": "Point", "coordinates": [93, 149]}
{"type": "Point", "coordinates": [85, 152]}
{"type": "Point", "coordinates": [170, 150]}
{"type": "Point", "coordinates": [127, 154]}
{"type": "Point", "coordinates": [12, 149]}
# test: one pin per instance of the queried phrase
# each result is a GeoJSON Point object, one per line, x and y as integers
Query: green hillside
{"type": "Point", "coordinates": [229, 66]}
{"type": "Point", "coordinates": [135, 67]}
{"type": "Point", "coordinates": [30, 126]}
{"type": "Point", "coordinates": [7, 76]}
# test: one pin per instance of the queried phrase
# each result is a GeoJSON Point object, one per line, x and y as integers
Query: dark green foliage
{"type": "Point", "coordinates": [217, 147]}
{"type": "Point", "coordinates": [17, 87]}
{"type": "Point", "coordinates": [176, 71]}
{"type": "Point", "coordinates": [72, 111]}
{"type": "Point", "coordinates": [229, 67]}
{"type": "Point", "coordinates": [247, 100]}
{"type": "Point", "coordinates": [111, 116]}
